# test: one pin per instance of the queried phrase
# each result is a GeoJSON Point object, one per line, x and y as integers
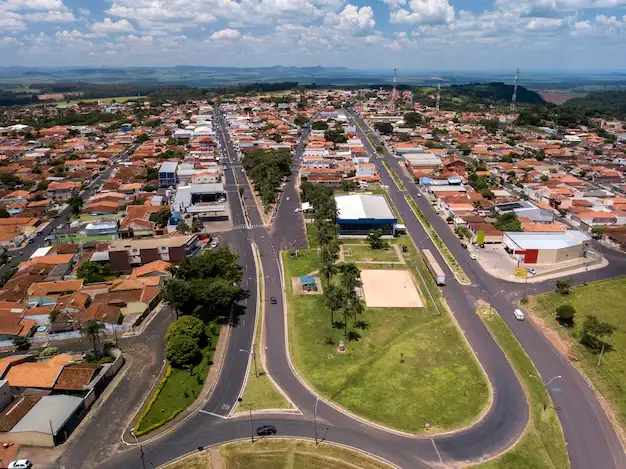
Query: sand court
{"type": "Point", "coordinates": [390, 288]}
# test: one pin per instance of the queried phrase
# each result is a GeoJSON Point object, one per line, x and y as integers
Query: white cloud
{"type": "Point", "coordinates": [16, 5]}
{"type": "Point", "coordinates": [353, 17]}
{"type": "Point", "coordinates": [395, 3]}
{"type": "Point", "coordinates": [10, 21]}
{"type": "Point", "coordinates": [554, 8]}
{"type": "Point", "coordinates": [424, 12]}
{"type": "Point", "coordinates": [110, 26]}
{"type": "Point", "coordinates": [226, 34]}
{"type": "Point", "coordinates": [51, 16]}
{"type": "Point", "coordinates": [84, 11]}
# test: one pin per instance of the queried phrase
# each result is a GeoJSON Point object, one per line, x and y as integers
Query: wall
{"type": "Point", "coordinates": [29, 438]}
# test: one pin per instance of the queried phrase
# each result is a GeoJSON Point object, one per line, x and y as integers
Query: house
{"type": "Point", "coordinates": [101, 207]}
{"type": "Point", "coordinates": [127, 254]}
{"type": "Point", "coordinates": [62, 190]}
{"type": "Point", "coordinates": [156, 268]}
{"type": "Point", "coordinates": [13, 324]}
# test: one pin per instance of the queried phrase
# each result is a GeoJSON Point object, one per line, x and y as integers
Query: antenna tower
{"type": "Point", "coordinates": [514, 97]}
{"type": "Point", "coordinates": [395, 82]}
{"type": "Point", "coordinates": [438, 99]}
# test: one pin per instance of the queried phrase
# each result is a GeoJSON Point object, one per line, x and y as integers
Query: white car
{"type": "Point", "coordinates": [298, 210]}
{"type": "Point", "coordinates": [473, 256]}
{"type": "Point", "coordinates": [20, 464]}
{"type": "Point", "coordinates": [214, 244]}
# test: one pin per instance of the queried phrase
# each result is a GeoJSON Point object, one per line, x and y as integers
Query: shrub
{"type": "Point", "coordinates": [186, 325]}
{"type": "Point", "coordinates": [565, 315]}
{"type": "Point", "coordinates": [182, 351]}
{"type": "Point", "coordinates": [49, 352]}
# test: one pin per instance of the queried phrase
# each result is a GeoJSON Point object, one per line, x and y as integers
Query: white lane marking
{"type": "Point", "coordinates": [436, 450]}
{"type": "Point", "coordinates": [211, 413]}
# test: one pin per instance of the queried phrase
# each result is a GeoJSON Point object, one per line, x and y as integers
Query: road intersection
{"type": "Point", "coordinates": [591, 440]}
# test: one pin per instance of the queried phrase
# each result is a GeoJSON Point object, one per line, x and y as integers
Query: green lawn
{"type": "Point", "coordinates": [83, 238]}
{"type": "Point", "coordinates": [542, 446]}
{"type": "Point", "coordinates": [363, 253]}
{"type": "Point", "coordinates": [119, 99]}
{"type": "Point", "coordinates": [294, 454]}
{"type": "Point", "coordinates": [607, 300]}
{"type": "Point", "coordinates": [311, 234]}
{"type": "Point", "coordinates": [439, 382]}
{"type": "Point", "coordinates": [88, 217]}
{"type": "Point", "coordinates": [181, 388]}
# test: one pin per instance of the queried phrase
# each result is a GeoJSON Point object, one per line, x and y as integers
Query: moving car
{"type": "Point", "coordinates": [20, 464]}
{"type": "Point", "coordinates": [519, 315]}
{"type": "Point", "coordinates": [266, 430]}
{"type": "Point", "coordinates": [273, 300]}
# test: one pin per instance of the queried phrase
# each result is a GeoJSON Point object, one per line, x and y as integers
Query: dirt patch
{"type": "Point", "coordinates": [390, 289]}
{"type": "Point", "coordinates": [553, 336]}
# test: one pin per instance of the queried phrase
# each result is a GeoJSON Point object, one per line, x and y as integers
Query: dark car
{"type": "Point", "coordinates": [266, 430]}
{"type": "Point", "coordinates": [273, 300]}
{"type": "Point", "coordinates": [464, 246]}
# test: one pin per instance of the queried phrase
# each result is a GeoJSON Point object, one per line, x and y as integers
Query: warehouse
{"type": "Point", "coordinates": [358, 214]}
{"type": "Point", "coordinates": [545, 248]}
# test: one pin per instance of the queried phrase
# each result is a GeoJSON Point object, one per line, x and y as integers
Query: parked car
{"type": "Point", "coordinates": [213, 244]}
{"type": "Point", "coordinates": [273, 300]}
{"type": "Point", "coordinates": [266, 430]}
{"type": "Point", "coordinates": [298, 210]}
{"type": "Point", "coordinates": [20, 464]}
{"type": "Point", "coordinates": [531, 271]}
{"type": "Point", "coordinates": [464, 246]}
{"type": "Point", "coordinates": [473, 256]}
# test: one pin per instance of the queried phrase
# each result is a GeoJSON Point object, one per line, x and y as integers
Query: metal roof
{"type": "Point", "coordinates": [48, 415]}
{"type": "Point", "coordinates": [363, 206]}
{"type": "Point", "coordinates": [547, 240]}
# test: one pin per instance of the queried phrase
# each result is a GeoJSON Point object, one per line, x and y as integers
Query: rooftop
{"type": "Point", "coordinates": [49, 414]}
{"type": "Point", "coordinates": [363, 206]}
{"type": "Point", "coordinates": [548, 240]}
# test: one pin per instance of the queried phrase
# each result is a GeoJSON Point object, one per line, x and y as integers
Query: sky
{"type": "Point", "coordinates": [405, 34]}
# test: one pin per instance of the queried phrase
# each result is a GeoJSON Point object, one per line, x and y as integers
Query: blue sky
{"type": "Point", "coordinates": [407, 34]}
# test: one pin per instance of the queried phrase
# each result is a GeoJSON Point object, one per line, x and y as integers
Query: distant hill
{"type": "Point", "coordinates": [609, 104]}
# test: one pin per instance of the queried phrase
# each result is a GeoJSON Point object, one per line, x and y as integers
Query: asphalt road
{"type": "Point", "coordinates": [592, 442]}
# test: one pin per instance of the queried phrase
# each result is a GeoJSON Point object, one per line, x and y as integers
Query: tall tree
{"type": "Point", "coordinates": [92, 330]}
{"type": "Point", "coordinates": [334, 297]}
{"type": "Point", "coordinates": [76, 204]}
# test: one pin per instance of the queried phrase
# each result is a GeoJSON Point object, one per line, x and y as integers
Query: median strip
{"type": "Point", "coordinates": [454, 266]}
{"type": "Point", "coordinates": [395, 178]}
{"type": "Point", "coordinates": [542, 443]}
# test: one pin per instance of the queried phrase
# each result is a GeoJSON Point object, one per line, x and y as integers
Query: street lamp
{"type": "Point", "coordinates": [545, 387]}
{"type": "Point", "coordinates": [490, 303]}
{"type": "Point", "coordinates": [256, 373]}
{"type": "Point", "coordinates": [143, 462]}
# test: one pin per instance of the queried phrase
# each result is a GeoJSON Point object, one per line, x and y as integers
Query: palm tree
{"type": "Point", "coordinates": [478, 204]}
{"type": "Point", "coordinates": [327, 270]}
{"type": "Point", "coordinates": [92, 330]}
{"type": "Point", "coordinates": [334, 300]}
{"type": "Point", "coordinates": [350, 277]}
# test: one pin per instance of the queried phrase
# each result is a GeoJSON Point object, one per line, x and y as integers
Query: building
{"type": "Point", "coordinates": [545, 248]}
{"type": "Point", "coordinates": [126, 254]}
{"type": "Point", "coordinates": [202, 200]}
{"type": "Point", "coordinates": [525, 209]}
{"type": "Point", "coordinates": [167, 174]}
{"type": "Point", "coordinates": [358, 214]}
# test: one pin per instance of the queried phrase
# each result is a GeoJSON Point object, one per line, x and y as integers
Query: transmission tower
{"type": "Point", "coordinates": [395, 83]}
{"type": "Point", "coordinates": [438, 99]}
{"type": "Point", "coordinates": [514, 97]}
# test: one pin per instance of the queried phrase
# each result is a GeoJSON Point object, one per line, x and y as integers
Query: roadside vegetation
{"type": "Point", "coordinates": [280, 454]}
{"type": "Point", "coordinates": [454, 266]}
{"type": "Point", "coordinates": [395, 178]}
{"type": "Point", "coordinates": [542, 445]}
{"type": "Point", "coordinates": [592, 321]}
{"type": "Point", "coordinates": [415, 351]}
{"type": "Point", "coordinates": [266, 170]}
{"type": "Point", "coordinates": [201, 293]}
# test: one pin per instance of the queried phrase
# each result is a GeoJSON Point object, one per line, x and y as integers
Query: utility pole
{"type": "Point", "coordinates": [251, 352]}
{"type": "Point", "coordinates": [251, 428]}
{"type": "Point", "coordinates": [315, 419]}
{"type": "Point", "coordinates": [143, 462]}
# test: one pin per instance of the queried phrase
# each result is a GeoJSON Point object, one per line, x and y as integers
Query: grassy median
{"type": "Point", "coordinates": [399, 184]}
{"type": "Point", "coordinates": [607, 300]}
{"type": "Point", "coordinates": [280, 454]}
{"type": "Point", "coordinates": [542, 446]}
{"type": "Point", "coordinates": [414, 352]}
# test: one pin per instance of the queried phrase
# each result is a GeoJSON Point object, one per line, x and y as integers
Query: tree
{"type": "Point", "coordinates": [375, 238]}
{"type": "Point", "coordinates": [598, 231]}
{"type": "Point", "coordinates": [334, 297]}
{"type": "Point", "coordinates": [178, 294]}
{"type": "Point", "coordinates": [595, 332]}
{"type": "Point", "coordinates": [152, 174]}
{"type": "Point", "coordinates": [90, 272]}
{"type": "Point", "coordinates": [544, 177]}
{"type": "Point", "coordinates": [196, 225]}
{"type": "Point", "coordinates": [92, 330]}
{"type": "Point", "coordinates": [42, 186]}
{"type": "Point", "coordinates": [486, 193]}
{"type": "Point", "coordinates": [508, 222]}
{"type": "Point", "coordinates": [142, 138]}
{"type": "Point", "coordinates": [490, 125]}
{"type": "Point", "coordinates": [183, 228]}
{"type": "Point", "coordinates": [182, 351]}
{"type": "Point", "coordinates": [21, 343]}
{"type": "Point", "coordinates": [4, 213]}
{"type": "Point", "coordinates": [478, 204]}
{"type": "Point", "coordinates": [186, 325]}
{"type": "Point", "coordinates": [564, 287]}
{"type": "Point", "coordinates": [76, 203]}
{"type": "Point", "coordinates": [161, 217]}
{"type": "Point", "coordinates": [348, 184]}
{"type": "Point", "coordinates": [413, 119]}
{"type": "Point", "coordinates": [384, 128]}
{"type": "Point", "coordinates": [565, 315]}
{"type": "Point", "coordinates": [319, 125]}
{"type": "Point", "coordinates": [301, 120]}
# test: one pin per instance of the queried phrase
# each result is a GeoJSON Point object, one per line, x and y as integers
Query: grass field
{"type": "Point", "coordinates": [311, 234]}
{"type": "Point", "coordinates": [418, 354]}
{"type": "Point", "coordinates": [363, 253]}
{"type": "Point", "coordinates": [607, 300]}
{"type": "Point", "coordinates": [282, 454]}
{"type": "Point", "coordinates": [260, 391]}
{"type": "Point", "coordinates": [542, 446]}
{"type": "Point", "coordinates": [118, 99]}
{"type": "Point", "coordinates": [83, 238]}
{"type": "Point", "coordinates": [182, 387]}
{"type": "Point", "coordinates": [88, 217]}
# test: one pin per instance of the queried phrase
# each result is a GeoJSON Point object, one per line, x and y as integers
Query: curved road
{"type": "Point", "coordinates": [592, 442]}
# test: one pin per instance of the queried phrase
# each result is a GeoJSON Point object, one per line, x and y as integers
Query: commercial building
{"type": "Point", "coordinates": [358, 214]}
{"type": "Point", "coordinates": [202, 200]}
{"type": "Point", "coordinates": [545, 248]}
{"type": "Point", "coordinates": [167, 174]}
{"type": "Point", "coordinates": [525, 209]}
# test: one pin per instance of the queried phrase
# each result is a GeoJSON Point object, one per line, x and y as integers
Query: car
{"type": "Point", "coordinates": [214, 244]}
{"type": "Point", "coordinates": [266, 430]}
{"type": "Point", "coordinates": [531, 271]}
{"type": "Point", "coordinates": [273, 300]}
{"type": "Point", "coordinates": [519, 315]}
{"type": "Point", "coordinates": [473, 256]}
{"type": "Point", "coordinates": [298, 210]}
{"type": "Point", "coordinates": [464, 246]}
{"type": "Point", "coordinates": [20, 464]}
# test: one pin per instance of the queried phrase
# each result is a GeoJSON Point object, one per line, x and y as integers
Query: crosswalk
{"type": "Point", "coordinates": [244, 227]}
